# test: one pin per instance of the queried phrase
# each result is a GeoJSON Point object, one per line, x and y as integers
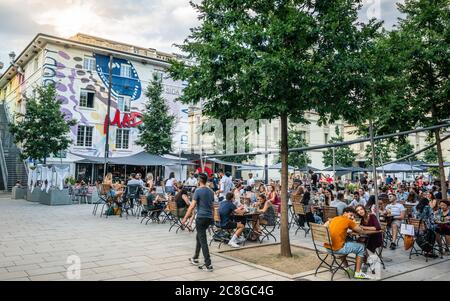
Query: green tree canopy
{"type": "Point", "coordinates": [270, 59]}
{"type": "Point", "coordinates": [43, 130]}
{"type": "Point", "coordinates": [344, 155]}
{"type": "Point", "coordinates": [382, 153]}
{"type": "Point", "coordinates": [404, 148]}
{"type": "Point", "coordinates": [156, 130]}
{"type": "Point", "coordinates": [296, 139]}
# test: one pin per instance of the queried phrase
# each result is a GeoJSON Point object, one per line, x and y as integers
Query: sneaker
{"type": "Point", "coordinates": [233, 244]}
{"type": "Point", "coordinates": [361, 275]}
{"type": "Point", "coordinates": [241, 239]}
{"type": "Point", "coordinates": [194, 261]}
{"type": "Point", "coordinates": [393, 246]}
{"type": "Point", "coordinates": [206, 268]}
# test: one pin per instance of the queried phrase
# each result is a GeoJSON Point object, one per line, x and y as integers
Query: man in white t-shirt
{"type": "Point", "coordinates": [191, 181]}
{"type": "Point", "coordinates": [225, 185]}
{"type": "Point", "coordinates": [357, 200]}
{"type": "Point", "coordinates": [397, 211]}
{"type": "Point", "coordinates": [250, 181]}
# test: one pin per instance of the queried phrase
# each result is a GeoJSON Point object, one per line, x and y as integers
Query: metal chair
{"type": "Point", "coordinates": [219, 234]}
{"type": "Point", "coordinates": [320, 236]}
{"type": "Point", "coordinates": [131, 196]}
{"type": "Point", "coordinates": [419, 228]}
{"type": "Point", "coordinates": [268, 229]}
{"type": "Point", "coordinates": [300, 218]}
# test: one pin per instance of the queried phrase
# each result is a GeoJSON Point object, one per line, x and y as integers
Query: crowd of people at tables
{"type": "Point", "coordinates": [237, 198]}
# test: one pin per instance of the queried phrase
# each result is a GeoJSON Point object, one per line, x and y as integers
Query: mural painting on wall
{"type": "Point", "coordinates": [69, 76]}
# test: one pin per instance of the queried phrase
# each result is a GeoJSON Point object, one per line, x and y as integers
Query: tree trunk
{"type": "Point", "coordinates": [441, 164]}
{"type": "Point", "coordinates": [284, 229]}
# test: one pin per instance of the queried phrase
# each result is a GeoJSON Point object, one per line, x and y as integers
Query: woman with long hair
{"type": "Point", "coordinates": [171, 184]}
{"type": "Point", "coordinates": [424, 212]}
{"type": "Point", "coordinates": [371, 206]}
{"type": "Point", "coordinates": [267, 213]}
{"type": "Point", "coordinates": [369, 222]}
{"type": "Point", "coordinates": [149, 181]}
{"type": "Point", "coordinates": [329, 197]}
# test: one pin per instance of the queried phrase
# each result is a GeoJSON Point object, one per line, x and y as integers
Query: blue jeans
{"type": "Point", "coordinates": [352, 247]}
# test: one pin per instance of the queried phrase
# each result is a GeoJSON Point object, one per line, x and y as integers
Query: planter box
{"type": "Point", "coordinates": [55, 197]}
{"type": "Point", "coordinates": [35, 195]}
{"type": "Point", "coordinates": [18, 193]}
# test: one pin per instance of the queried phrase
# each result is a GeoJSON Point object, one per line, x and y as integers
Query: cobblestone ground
{"type": "Point", "coordinates": [36, 242]}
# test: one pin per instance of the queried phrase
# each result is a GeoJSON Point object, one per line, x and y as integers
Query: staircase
{"type": "Point", "coordinates": [11, 166]}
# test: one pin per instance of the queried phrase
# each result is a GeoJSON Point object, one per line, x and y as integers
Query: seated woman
{"type": "Point", "coordinates": [443, 228]}
{"type": "Point", "coordinates": [227, 210]}
{"type": "Point", "coordinates": [114, 192]}
{"type": "Point", "coordinates": [183, 202]}
{"type": "Point", "coordinates": [267, 214]}
{"type": "Point", "coordinates": [369, 222]}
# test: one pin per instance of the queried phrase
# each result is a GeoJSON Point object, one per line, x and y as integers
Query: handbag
{"type": "Point", "coordinates": [408, 241]}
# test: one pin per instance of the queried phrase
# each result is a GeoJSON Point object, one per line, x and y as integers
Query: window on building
{"type": "Point", "coordinates": [124, 104]}
{"type": "Point", "coordinates": [325, 137]}
{"type": "Point", "coordinates": [89, 63]}
{"type": "Point", "coordinates": [122, 138]}
{"type": "Point", "coordinates": [84, 135]}
{"type": "Point", "coordinates": [87, 99]}
{"type": "Point", "coordinates": [125, 70]}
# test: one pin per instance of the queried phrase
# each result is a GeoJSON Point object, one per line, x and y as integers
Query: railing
{"type": "Point", "coordinates": [3, 165]}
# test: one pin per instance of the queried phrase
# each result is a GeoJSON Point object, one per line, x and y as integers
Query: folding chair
{"type": "Point", "coordinates": [300, 218]}
{"type": "Point", "coordinates": [102, 198]}
{"type": "Point", "coordinates": [329, 212]}
{"type": "Point", "coordinates": [320, 236]}
{"type": "Point", "coordinates": [419, 228]}
{"type": "Point", "coordinates": [219, 234]}
{"type": "Point", "coordinates": [268, 229]}
{"type": "Point", "coordinates": [175, 220]}
{"type": "Point", "coordinates": [132, 193]}
{"type": "Point", "coordinates": [108, 200]}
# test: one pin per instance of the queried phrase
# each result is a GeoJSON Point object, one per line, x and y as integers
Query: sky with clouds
{"type": "Point", "coordinates": [148, 23]}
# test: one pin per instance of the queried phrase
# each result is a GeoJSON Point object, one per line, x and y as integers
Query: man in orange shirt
{"type": "Point", "coordinates": [338, 228]}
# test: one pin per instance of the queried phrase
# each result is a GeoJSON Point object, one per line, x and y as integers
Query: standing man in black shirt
{"type": "Point", "coordinates": [203, 199]}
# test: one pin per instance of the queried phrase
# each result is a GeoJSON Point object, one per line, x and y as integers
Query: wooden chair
{"type": "Point", "coordinates": [329, 212]}
{"type": "Point", "coordinates": [300, 218]}
{"type": "Point", "coordinates": [320, 237]}
{"type": "Point", "coordinates": [175, 220]}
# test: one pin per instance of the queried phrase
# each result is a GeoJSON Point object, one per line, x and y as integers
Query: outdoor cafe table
{"type": "Point", "coordinates": [249, 219]}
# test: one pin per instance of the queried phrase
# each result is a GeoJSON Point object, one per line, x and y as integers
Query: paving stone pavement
{"type": "Point", "coordinates": [36, 242]}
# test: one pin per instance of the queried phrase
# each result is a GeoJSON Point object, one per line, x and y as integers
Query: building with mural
{"type": "Point", "coordinates": [79, 68]}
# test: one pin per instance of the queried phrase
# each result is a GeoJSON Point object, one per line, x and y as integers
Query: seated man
{"type": "Point", "coordinates": [397, 212]}
{"type": "Point", "coordinates": [154, 204]}
{"type": "Point", "coordinates": [339, 203]}
{"type": "Point", "coordinates": [226, 209]}
{"type": "Point", "coordinates": [338, 228]}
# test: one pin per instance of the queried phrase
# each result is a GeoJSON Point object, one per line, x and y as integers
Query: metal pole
{"type": "Point", "coordinates": [108, 113]}
{"type": "Point", "coordinates": [92, 174]}
{"type": "Point", "coordinates": [266, 157]}
{"type": "Point", "coordinates": [181, 167]}
{"type": "Point", "coordinates": [334, 167]}
{"type": "Point", "coordinates": [374, 168]}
